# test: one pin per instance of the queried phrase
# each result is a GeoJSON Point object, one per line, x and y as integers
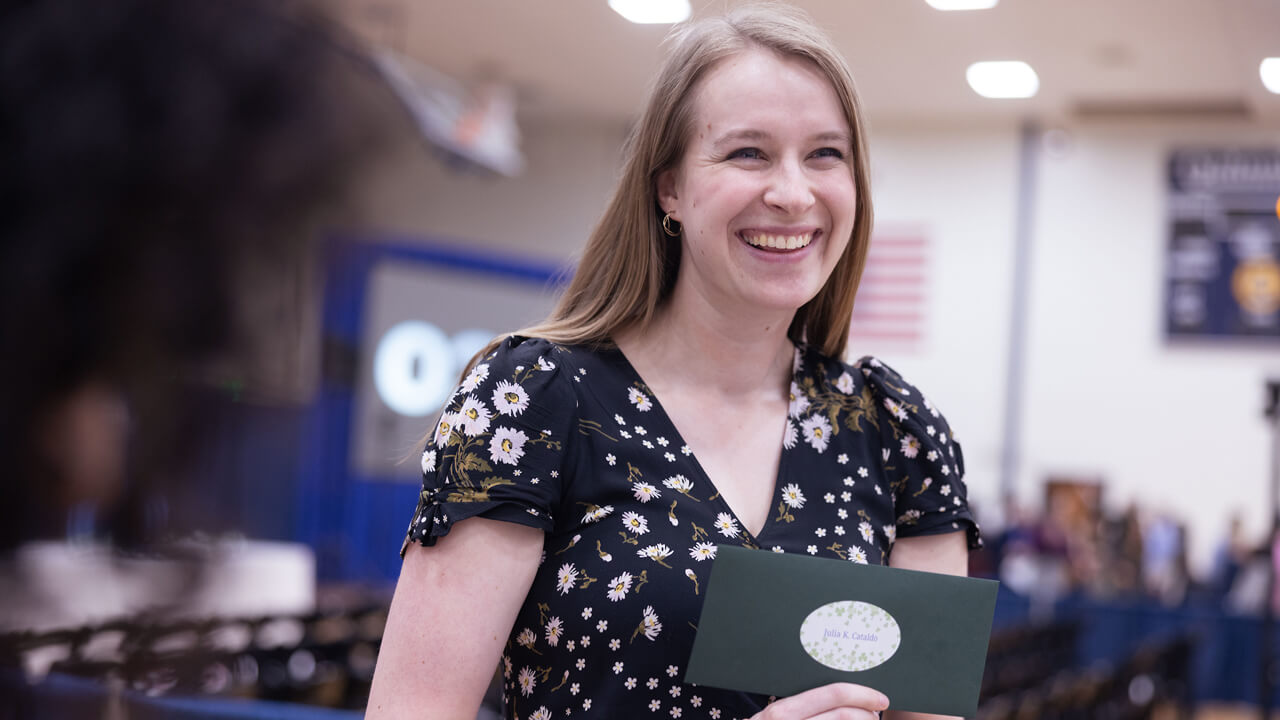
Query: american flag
{"type": "Point", "coordinates": [890, 308]}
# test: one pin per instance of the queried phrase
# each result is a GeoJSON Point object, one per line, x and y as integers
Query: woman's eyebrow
{"type": "Point", "coordinates": [752, 135]}
{"type": "Point", "coordinates": [736, 136]}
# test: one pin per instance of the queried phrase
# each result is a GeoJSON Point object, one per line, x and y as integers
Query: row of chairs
{"type": "Point", "coordinates": [324, 659]}
{"type": "Point", "coordinates": [1158, 674]}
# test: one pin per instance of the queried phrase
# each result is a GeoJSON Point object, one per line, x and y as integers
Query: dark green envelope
{"type": "Point", "coordinates": [749, 635]}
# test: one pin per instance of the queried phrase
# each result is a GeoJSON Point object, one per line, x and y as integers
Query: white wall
{"type": "Point", "coordinates": [1175, 428]}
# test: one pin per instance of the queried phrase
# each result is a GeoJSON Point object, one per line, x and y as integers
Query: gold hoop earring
{"type": "Point", "coordinates": [666, 226]}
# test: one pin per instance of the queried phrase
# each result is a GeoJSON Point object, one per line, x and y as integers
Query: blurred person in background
{"type": "Point", "coordinates": [154, 153]}
{"type": "Point", "coordinates": [687, 390]}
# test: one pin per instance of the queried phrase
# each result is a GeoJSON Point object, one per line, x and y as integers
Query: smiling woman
{"type": "Point", "coordinates": [688, 391]}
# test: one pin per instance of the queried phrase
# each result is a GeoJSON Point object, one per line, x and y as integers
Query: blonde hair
{"type": "Point", "coordinates": [629, 265]}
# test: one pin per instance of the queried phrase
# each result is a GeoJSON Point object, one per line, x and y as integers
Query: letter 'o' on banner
{"type": "Point", "coordinates": [413, 368]}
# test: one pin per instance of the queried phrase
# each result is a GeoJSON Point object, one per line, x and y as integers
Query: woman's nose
{"type": "Point", "coordinates": [789, 189]}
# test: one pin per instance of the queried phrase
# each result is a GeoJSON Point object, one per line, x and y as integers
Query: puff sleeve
{"type": "Point", "coordinates": [499, 449]}
{"type": "Point", "coordinates": [922, 460]}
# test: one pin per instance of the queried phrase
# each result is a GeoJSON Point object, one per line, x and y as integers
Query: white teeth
{"type": "Point", "coordinates": [780, 242]}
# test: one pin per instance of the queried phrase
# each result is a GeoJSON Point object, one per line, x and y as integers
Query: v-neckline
{"type": "Point", "coordinates": [717, 496]}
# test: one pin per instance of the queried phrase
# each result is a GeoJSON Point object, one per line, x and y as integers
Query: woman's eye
{"type": "Point", "coordinates": [746, 154]}
{"type": "Point", "coordinates": [830, 152]}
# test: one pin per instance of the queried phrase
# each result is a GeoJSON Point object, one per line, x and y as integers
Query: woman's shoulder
{"type": "Point", "coordinates": [871, 379]}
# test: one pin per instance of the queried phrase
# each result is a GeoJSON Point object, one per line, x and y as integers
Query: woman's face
{"type": "Point", "coordinates": [765, 191]}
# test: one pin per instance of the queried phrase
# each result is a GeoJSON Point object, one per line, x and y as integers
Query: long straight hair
{"type": "Point", "coordinates": [629, 266]}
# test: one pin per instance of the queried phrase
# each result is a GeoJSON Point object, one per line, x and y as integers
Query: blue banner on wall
{"type": "Point", "coordinates": [1222, 271]}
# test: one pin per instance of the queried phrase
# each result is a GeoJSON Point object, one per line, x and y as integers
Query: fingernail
{"type": "Point", "coordinates": [884, 702]}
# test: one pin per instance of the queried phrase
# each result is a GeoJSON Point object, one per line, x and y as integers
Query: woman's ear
{"type": "Point", "coordinates": [668, 199]}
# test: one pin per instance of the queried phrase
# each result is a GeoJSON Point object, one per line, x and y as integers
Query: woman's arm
{"type": "Point", "coordinates": [948, 554]}
{"type": "Point", "coordinates": [453, 609]}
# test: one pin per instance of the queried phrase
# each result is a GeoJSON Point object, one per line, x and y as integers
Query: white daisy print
{"type": "Point", "coordinates": [544, 365]}
{"type": "Point", "coordinates": [602, 626]}
{"type": "Point", "coordinates": [842, 458]}
{"type": "Point", "coordinates": [655, 705]}
{"type": "Point", "coordinates": [596, 514]}
{"type": "Point", "coordinates": [428, 461]}
{"type": "Point", "coordinates": [614, 644]}
{"type": "Point", "coordinates": [542, 713]}
{"type": "Point", "coordinates": [679, 483]}
{"type": "Point", "coordinates": [475, 377]}
{"type": "Point", "coordinates": [555, 629]}
{"type": "Point", "coordinates": [727, 526]}
{"type": "Point", "coordinates": [842, 513]}
{"type": "Point", "coordinates": [645, 492]}
{"type": "Point", "coordinates": [619, 587]}
{"type": "Point", "coordinates": [473, 417]}
{"type": "Point", "coordinates": [527, 683]}
{"type": "Point", "coordinates": [798, 401]}
{"type": "Point", "coordinates": [867, 532]}
{"type": "Point", "coordinates": [507, 445]}
{"type": "Point", "coordinates": [817, 432]}
{"type": "Point", "coordinates": [839, 529]}
{"type": "Point", "coordinates": [527, 638]}
{"type": "Point", "coordinates": [639, 399]}
{"type": "Point", "coordinates": [844, 383]}
{"type": "Point", "coordinates": [862, 472]}
{"type": "Point", "coordinates": [792, 496]}
{"type": "Point", "coordinates": [812, 549]}
{"type": "Point", "coordinates": [630, 684]}
{"type": "Point", "coordinates": [656, 553]}
{"type": "Point", "coordinates": [635, 522]}
{"type": "Point", "coordinates": [650, 624]}
{"type": "Point", "coordinates": [820, 532]}
{"type": "Point", "coordinates": [652, 683]}
{"type": "Point", "coordinates": [829, 498]}
{"type": "Point", "coordinates": [444, 429]}
{"type": "Point", "coordinates": [703, 551]}
{"type": "Point", "coordinates": [895, 409]}
{"type": "Point", "coordinates": [945, 490]}
{"type": "Point", "coordinates": [672, 671]}
{"type": "Point", "coordinates": [611, 459]}
{"type": "Point", "coordinates": [789, 435]}
{"type": "Point", "coordinates": [858, 555]}
{"type": "Point", "coordinates": [566, 578]}
{"type": "Point", "coordinates": [890, 532]}
{"type": "Point", "coordinates": [510, 399]}
{"type": "Point", "coordinates": [910, 446]}
{"type": "Point", "coordinates": [617, 668]}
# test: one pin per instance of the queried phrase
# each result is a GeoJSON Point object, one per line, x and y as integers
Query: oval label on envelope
{"type": "Point", "coordinates": [850, 635]}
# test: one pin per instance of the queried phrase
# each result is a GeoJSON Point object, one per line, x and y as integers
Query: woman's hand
{"type": "Point", "coordinates": [837, 701]}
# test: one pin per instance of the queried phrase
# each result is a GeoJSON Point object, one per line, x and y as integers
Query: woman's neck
{"type": "Point", "coordinates": [694, 346]}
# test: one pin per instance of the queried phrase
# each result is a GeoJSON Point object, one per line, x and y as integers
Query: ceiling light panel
{"type": "Point", "coordinates": [1003, 79]}
{"type": "Point", "coordinates": [651, 12]}
{"type": "Point", "coordinates": [1270, 72]}
{"type": "Point", "coordinates": [961, 4]}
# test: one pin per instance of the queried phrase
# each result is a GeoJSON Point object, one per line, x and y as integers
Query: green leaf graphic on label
{"type": "Point", "coordinates": [862, 635]}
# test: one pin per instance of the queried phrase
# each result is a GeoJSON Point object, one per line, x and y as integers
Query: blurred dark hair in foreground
{"type": "Point", "coordinates": [162, 162]}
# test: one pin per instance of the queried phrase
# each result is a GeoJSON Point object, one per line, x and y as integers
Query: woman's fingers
{"type": "Point", "coordinates": [828, 702]}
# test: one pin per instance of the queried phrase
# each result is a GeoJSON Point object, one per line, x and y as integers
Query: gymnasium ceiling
{"type": "Point", "coordinates": [571, 60]}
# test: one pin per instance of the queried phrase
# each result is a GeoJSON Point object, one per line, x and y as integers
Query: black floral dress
{"type": "Point", "coordinates": [571, 440]}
